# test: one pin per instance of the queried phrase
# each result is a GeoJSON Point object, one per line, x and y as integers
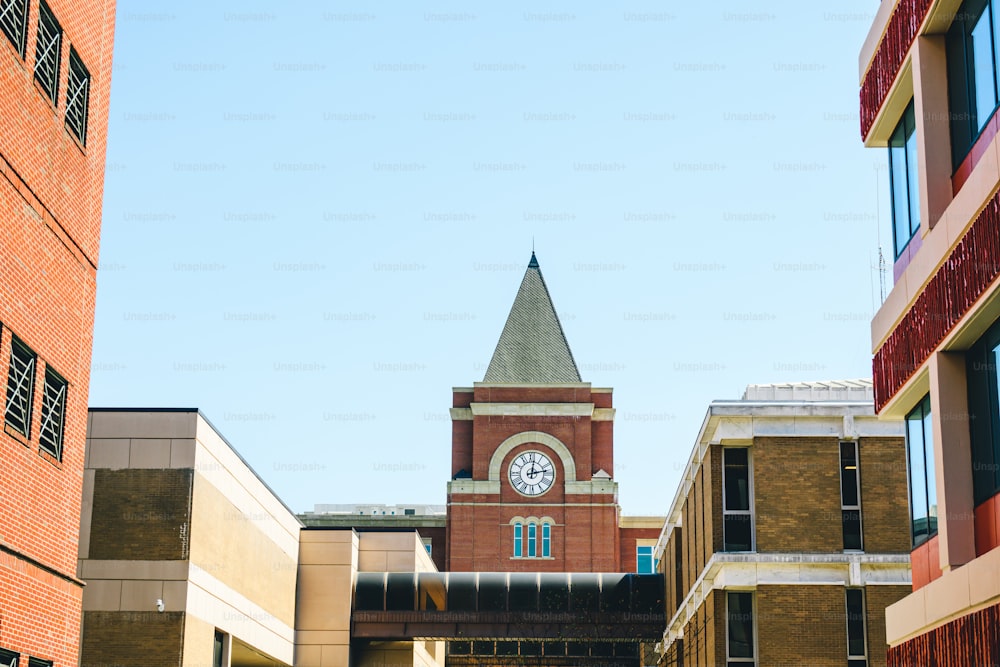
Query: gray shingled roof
{"type": "Point", "coordinates": [532, 348]}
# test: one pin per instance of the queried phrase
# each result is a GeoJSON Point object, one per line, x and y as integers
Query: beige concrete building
{"type": "Point", "coordinates": [190, 559]}
{"type": "Point", "coordinates": [786, 540]}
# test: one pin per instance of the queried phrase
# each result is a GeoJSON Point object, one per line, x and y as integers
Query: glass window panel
{"type": "Point", "coordinates": [518, 535]}
{"type": "Point", "coordinates": [369, 591]}
{"type": "Point", "coordinates": [400, 591]}
{"type": "Point", "coordinates": [648, 594]}
{"type": "Point", "coordinates": [546, 540]}
{"type": "Point", "coordinates": [523, 592]}
{"type": "Point", "coordinates": [460, 648]}
{"type": "Point", "coordinates": [492, 591]}
{"type": "Point", "coordinates": [737, 532]}
{"type": "Point", "coordinates": [900, 194]}
{"type": "Point", "coordinates": [507, 647]}
{"type": "Point", "coordinates": [461, 591]}
{"type": "Point", "coordinates": [852, 529]}
{"type": "Point", "coordinates": [848, 474]}
{"type": "Point", "coordinates": [585, 592]}
{"type": "Point", "coordinates": [737, 474]}
{"type": "Point", "coordinates": [912, 180]}
{"type": "Point", "coordinates": [855, 622]}
{"type": "Point", "coordinates": [553, 593]}
{"type": "Point", "coordinates": [577, 649]}
{"type": "Point", "coordinates": [918, 475]}
{"type": "Point", "coordinates": [739, 614]}
{"type": "Point", "coordinates": [531, 648]}
{"type": "Point", "coordinates": [553, 648]}
{"type": "Point", "coordinates": [615, 592]}
{"type": "Point", "coordinates": [982, 69]}
{"type": "Point", "coordinates": [602, 649]}
{"type": "Point", "coordinates": [532, 530]}
{"type": "Point", "coordinates": [482, 648]}
{"type": "Point", "coordinates": [928, 432]}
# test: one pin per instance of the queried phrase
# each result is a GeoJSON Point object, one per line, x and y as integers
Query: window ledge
{"type": "Point", "coordinates": [14, 433]}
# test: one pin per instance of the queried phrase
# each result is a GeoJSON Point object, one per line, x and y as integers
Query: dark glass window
{"type": "Point", "coordinates": [14, 22]}
{"type": "Point", "coordinates": [400, 591]}
{"type": "Point", "coordinates": [739, 621]}
{"type": "Point", "coordinates": [38, 662]}
{"type": "Point", "coordinates": [8, 658]}
{"type": "Point", "coordinates": [984, 413]}
{"type": "Point", "coordinates": [903, 182]}
{"type": "Point", "coordinates": [48, 51]}
{"type": "Point", "coordinates": [850, 496]}
{"type": "Point", "coordinates": [920, 459]}
{"type": "Point", "coordinates": [217, 652]}
{"type": "Point", "coordinates": [856, 645]}
{"type": "Point", "coordinates": [20, 387]}
{"type": "Point", "coordinates": [585, 592]}
{"type": "Point", "coordinates": [737, 522]}
{"type": "Point", "coordinates": [50, 437]}
{"type": "Point", "coordinates": [522, 593]}
{"type": "Point", "coordinates": [972, 57]}
{"type": "Point", "coordinates": [459, 648]}
{"type": "Point", "coordinates": [369, 591]}
{"type": "Point", "coordinates": [77, 97]}
{"type": "Point", "coordinates": [461, 591]}
{"type": "Point", "coordinates": [553, 593]}
{"type": "Point", "coordinates": [492, 591]}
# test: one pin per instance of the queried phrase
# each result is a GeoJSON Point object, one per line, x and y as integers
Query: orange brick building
{"type": "Point", "coordinates": [532, 486]}
{"type": "Point", "coordinates": [55, 76]}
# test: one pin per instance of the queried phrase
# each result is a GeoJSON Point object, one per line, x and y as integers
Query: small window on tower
{"type": "Point", "coordinates": [50, 438]}
{"type": "Point", "coordinates": [77, 96]}
{"type": "Point", "coordinates": [20, 387]}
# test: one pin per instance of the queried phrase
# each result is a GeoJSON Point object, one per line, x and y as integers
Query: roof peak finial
{"type": "Point", "coordinates": [533, 264]}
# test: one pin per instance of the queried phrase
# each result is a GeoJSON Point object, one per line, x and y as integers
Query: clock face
{"type": "Point", "coordinates": [532, 473]}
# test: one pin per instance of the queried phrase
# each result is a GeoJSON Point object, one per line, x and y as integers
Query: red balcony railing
{"type": "Point", "coordinates": [972, 266]}
{"type": "Point", "coordinates": [903, 26]}
{"type": "Point", "coordinates": [968, 640]}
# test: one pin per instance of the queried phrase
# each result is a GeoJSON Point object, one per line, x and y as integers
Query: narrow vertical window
{"type": "Point", "coordinates": [532, 536]}
{"type": "Point", "coordinates": [14, 22]}
{"type": "Point", "coordinates": [857, 651]}
{"type": "Point", "coordinates": [218, 652]}
{"type": "Point", "coordinates": [920, 458]}
{"type": "Point", "coordinates": [737, 521]}
{"type": "Point", "coordinates": [903, 181]}
{"type": "Point", "coordinates": [48, 51]}
{"type": "Point", "coordinates": [38, 662]}
{"type": "Point", "coordinates": [77, 97]}
{"type": "Point", "coordinates": [50, 437]}
{"type": "Point", "coordinates": [972, 58]}
{"type": "Point", "coordinates": [850, 497]}
{"type": "Point", "coordinates": [518, 540]}
{"type": "Point", "coordinates": [740, 634]}
{"type": "Point", "coordinates": [20, 387]}
{"type": "Point", "coordinates": [644, 560]}
{"type": "Point", "coordinates": [546, 540]}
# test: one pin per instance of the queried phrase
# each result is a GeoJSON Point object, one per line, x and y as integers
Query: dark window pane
{"type": "Point", "coordinates": [400, 593]}
{"type": "Point", "coordinates": [531, 648]}
{"type": "Point", "coordinates": [459, 648]}
{"type": "Point", "coordinates": [739, 618]}
{"type": "Point", "coordinates": [855, 622]}
{"type": "Point", "coordinates": [848, 474]}
{"type": "Point", "coordinates": [585, 592]}
{"type": "Point", "coordinates": [523, 592]}
{"type": "Point", "coordinates": [553, 648]}
{"type": "Point", "coordinates": [981, 51]}
{"type": "Point", "coordinates": [577, 649]}
{"type": "Point", "coordinates": [857, 663]}
{"type": "Point", "coordinates": [462, 591]}
{"type": "Point", "coordinates": [369, 591]}
{"type": "Point", "coordinates": [48, 51]}
{"type": "Point", "coordinates": [648, 592]}
{"type": "Point", "coordinates": [492, 591]}
{"type": "Point", "coordinates": [20, 387]}
{"type": "Point", "coordinates": [615, 594]}
{"type": "Point", "coordinates": [627, 650]}
{"type": "Point", "coordinates": [553, 594]}
{"type": "Point", "coordinates": [506, 648]}
{"type": "Point", "coordinates": [602, 649]}
{"type": "Point", "coordinates": [852, 529]}
{"type": "Point", "coordinates": [737, 474]}
{"type": "Point", "coordinates": [14, 21]}
{"type": "Point", "coordinates": [737, 532]}
{"type": "Point", "coordinates": [50, 436]}
{"type": "Point", "coordinates": [482, 648]}
{"type": "Point", "coordinates": [77, 97]}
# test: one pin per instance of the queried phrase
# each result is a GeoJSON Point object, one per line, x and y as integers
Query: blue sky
{"type": "Point", "coordinates": [317, 216]}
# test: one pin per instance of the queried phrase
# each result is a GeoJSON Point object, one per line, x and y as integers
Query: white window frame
{"type": "Point", "coordinates": [857, 482]}
{"type": "Point", "coordinates": [864, 623]}
{"type": "Point", "coordinates": [750, 512]}
{"type": "Point", "coordinates": [753, 612]}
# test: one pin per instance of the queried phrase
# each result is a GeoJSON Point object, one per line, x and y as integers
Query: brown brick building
{"type": "Point", "coordinates": [55, 77]}
{"type": "Point", "coordinates": [784, 543]}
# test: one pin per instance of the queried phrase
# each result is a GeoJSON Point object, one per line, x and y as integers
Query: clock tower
{"type": "Point", "coordinates": [532, 454]}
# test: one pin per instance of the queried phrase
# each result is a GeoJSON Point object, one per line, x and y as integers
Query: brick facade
{"type": "Point", "coordinates": [51, 192]}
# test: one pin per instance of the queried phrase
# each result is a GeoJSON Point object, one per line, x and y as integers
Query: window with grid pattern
{"type": "Point", "coordinates": [20, 387]}
{"type": "Point", "coordinates": [48, 51]}
{"type": "Point", "coordinates": [77, 97]}
{"type": "Point", "coordinates": [8, 658]}
{"type": "Point", "coordinates": [50, 437]}
{"type": "Point", "coordinates": [14, 22]}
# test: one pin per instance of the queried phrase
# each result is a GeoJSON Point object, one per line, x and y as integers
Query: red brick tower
{"type": "Point", "coordinates": [532, 455]}
{"type": "Point", "coordinates": [55, 78]}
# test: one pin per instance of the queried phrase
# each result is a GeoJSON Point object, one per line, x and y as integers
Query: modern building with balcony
{"type": "Point", "coordinates": [786, 539]}
{"type": "Point", "coordinates": [929, 96]}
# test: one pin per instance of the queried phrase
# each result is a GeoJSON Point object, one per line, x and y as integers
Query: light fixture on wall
{"type": "Point", "coordinates": [159, 604]}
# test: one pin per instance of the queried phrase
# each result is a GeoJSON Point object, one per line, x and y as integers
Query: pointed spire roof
{"type": "Point", "coordinates": [532, 347]}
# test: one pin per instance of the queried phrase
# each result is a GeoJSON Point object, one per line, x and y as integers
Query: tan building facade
{"type": "Point", "coordinates": [786, 541]}
{"type": "Point", "coordinates": [928, 93]}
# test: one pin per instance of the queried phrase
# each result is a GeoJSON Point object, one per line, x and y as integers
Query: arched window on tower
{"type": "Point", "coordinates": [546, 540]}
{"type": "Point", "coordinates": [518, 540]}
{"type": "Point", "coordinates": [532, 537]}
